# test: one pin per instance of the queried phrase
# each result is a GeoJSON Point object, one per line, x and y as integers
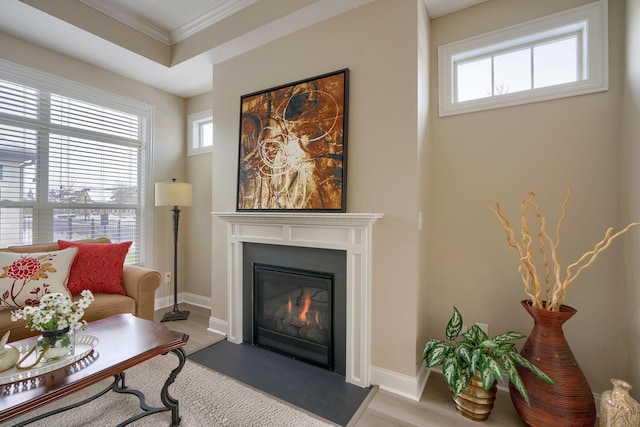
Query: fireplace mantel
{"type": "Point", "coordinates": [351, 232]}
{"type": "Point", "coordinates": [300, 218]}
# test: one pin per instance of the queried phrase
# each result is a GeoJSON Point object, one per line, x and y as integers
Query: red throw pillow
{"type": "Point", "coordinates": [98, 267]}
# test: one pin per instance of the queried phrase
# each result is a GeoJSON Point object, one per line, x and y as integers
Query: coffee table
{"type": "Point", "coordinates": [123, 342]}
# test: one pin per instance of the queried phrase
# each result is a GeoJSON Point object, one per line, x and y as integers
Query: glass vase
{"type": "Point", "coordinates": [617, 408]}
{"type": "Point", "coordinates": [54, 345]}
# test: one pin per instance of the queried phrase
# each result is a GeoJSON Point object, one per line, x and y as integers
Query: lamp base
{"type": "Point", "coordinates": [175, 315]}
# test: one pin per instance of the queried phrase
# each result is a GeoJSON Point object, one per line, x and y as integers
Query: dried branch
{"type": "Point", "coordinates": [523, 268]}
{"type": "Point", "coordinates": [541, 244]}
{"type": "Point", "coordinates": [555, 294]}
{"type": "Point", "coordinates": [527, 242]}
{"type": "Point", "coordinates": [556, 264]}
{"type": "Point", "coordinates": [591, 256]}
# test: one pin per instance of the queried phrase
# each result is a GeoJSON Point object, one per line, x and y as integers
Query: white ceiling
{"type": "Point", "coordinates": [171, 21]}
{"type": "Point", "coordinates": [437, 8]}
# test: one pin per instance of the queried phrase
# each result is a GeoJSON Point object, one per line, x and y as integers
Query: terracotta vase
{"type": "Point", "coordinates": [570, 401]}
{"type": "Point", "coordinates": [474, 402]}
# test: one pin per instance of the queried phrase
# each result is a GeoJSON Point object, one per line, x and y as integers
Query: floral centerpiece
{"type": "Point", "coordinates": [544, 283]}
{"type": "Point", "coordinates": [56, 316]}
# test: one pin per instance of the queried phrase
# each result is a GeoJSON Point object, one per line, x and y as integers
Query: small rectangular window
{"type": "Point", "coordinates": [200, 132]}
{"type": "Point", "coordinates": [556, 56]}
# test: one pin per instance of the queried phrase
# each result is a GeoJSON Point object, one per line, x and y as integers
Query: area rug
{"type": "Point", "coordinates": [311, 388]}
{"type": "Point", "coordinates": [206, 398]}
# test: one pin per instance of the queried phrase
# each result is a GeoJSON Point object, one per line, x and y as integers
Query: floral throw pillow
{"type": "Point", "coordinates": [26, 277]}
{"type": "Point", "coordinates": [98, 267]}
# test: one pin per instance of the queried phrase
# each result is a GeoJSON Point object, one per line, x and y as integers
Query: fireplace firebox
{"type": "Point", "coordinates": [295, 302]}
{"type": "Point", "coordinates": [294, 312]}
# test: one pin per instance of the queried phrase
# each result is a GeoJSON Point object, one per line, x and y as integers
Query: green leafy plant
{"type": "Point", "coordinates": [460, 359]}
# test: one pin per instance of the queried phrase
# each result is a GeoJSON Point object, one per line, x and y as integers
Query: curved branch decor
{"type": "Point", "coordinates": [293, 146]}
{"type": "Point", "coordinates": [544, 284]}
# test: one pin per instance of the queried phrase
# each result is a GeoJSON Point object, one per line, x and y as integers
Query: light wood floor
{"type": "Point", "coordinates": [435, 409]}
{"type": "Point", "coordinates": [195, 326]}
{"type": "Point", "coordinates": [385, 409]}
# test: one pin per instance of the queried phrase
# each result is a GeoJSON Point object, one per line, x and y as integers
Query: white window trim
{"type": "Point", "coordinates": [595, 17]}
{"type": "Point", "coordinates": [195, 147]}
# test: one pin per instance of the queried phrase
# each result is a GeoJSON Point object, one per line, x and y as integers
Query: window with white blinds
{"type": "Point", "coordinates": [72, 161]}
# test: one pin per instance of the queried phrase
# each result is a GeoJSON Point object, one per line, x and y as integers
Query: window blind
{"type": "Point", "coordinates": [73, 163]}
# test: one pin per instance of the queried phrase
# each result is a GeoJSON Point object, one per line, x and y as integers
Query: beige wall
{"type": "Point", "coordinates": [169, 149]}
{"type": "Point", "coordinates": [378, 43]}
{"type": "Point", "coordinates": [630, 295]}
{"type": "Point", "coordinates": [198, 230]}
{"type": "Point", "coordinates": [481, 158]}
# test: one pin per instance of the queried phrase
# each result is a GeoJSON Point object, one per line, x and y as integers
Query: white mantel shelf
{"type": "Point", "coordinates": [351, 232]}
{"type": "Point", "coordinates": [299, 218]}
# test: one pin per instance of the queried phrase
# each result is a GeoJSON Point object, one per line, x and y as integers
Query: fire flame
{"type": "Point", "coordinates": [303, 314]}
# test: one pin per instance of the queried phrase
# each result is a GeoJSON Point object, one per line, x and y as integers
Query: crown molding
{"type": "Point", "coordinates": [181, 33]}
{"type": "Point", "coordinates": [437, 8]}
{"type": "Point", "coordinates": [217, 14]}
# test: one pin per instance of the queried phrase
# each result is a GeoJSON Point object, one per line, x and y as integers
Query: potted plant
{"type": "Point", "coordinates": [472, 365]}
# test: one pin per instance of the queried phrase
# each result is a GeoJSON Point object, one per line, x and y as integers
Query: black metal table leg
{"type": "Point", "coordinates": [112, 386]}
{"type": "Point", "coordinates": [118, 386]}
{"type": "Point", "coordinates": [170, 403]}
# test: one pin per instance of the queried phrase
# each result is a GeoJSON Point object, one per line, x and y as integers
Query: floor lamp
{"type": "Point", "coordinates": [174, 194]}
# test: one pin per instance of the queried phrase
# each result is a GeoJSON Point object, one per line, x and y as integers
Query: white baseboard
{"type": "Point", "coordinates": [187, 297]}
{"type": "Point", "coordinates": [215, 325]}
{"type": "Point", "coordinates": [164, 302]}
{"type": "Point", "coordinates": [400, 384]}
{"type": "Point", "coordinates": [194, 299]}
{"type": "Point", "coordinates": [218, 326]}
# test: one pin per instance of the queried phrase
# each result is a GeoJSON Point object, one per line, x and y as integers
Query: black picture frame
{"type": "Point", "coordinates": [293, 146]}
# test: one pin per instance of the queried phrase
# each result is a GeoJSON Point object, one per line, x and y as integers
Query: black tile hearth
{"type": "Point", "coordinates": [309, 387]}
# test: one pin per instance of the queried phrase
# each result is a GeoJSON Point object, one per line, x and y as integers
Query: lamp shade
{"type": "Point", "coordinates": [173, 194]}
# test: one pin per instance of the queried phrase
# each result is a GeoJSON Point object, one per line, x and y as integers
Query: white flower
{"type": "Point", "coordinates": [56, 311]}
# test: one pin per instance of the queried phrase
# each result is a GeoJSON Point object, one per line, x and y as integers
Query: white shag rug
{"type": "Point", "coordinates": [206, 398]}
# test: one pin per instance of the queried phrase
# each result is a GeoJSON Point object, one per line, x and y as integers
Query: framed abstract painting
{"type": "Point", "coordinates": [293, 146]}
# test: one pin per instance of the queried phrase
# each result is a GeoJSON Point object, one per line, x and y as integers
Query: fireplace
{"type": "Point", "coordinates": [293, 313]}
{"type": "Point", "coordinates": [295, 302]}
{"type": "Point", "coordinates": [348, 233]}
